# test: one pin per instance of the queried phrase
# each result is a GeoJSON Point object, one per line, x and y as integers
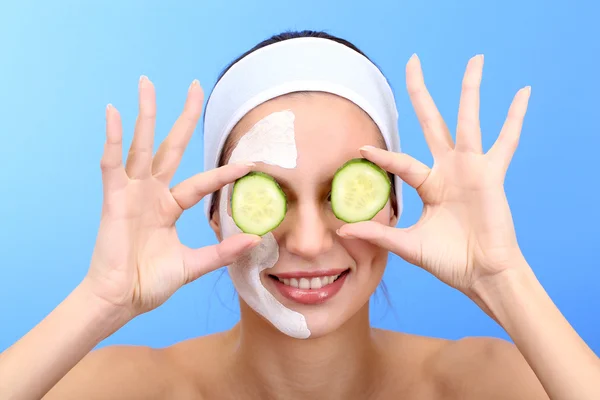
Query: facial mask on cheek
{"type": "Point", "coordinates": [271, 141]}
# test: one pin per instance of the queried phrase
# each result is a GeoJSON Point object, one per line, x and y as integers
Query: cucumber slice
{"type": "Point", "coordinates": [360, 189]}
{"type": "Point", "coordinates": [258, 205]}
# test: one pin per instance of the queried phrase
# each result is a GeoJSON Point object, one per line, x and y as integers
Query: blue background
{"type": "Point", "coordinates": [63, 61]}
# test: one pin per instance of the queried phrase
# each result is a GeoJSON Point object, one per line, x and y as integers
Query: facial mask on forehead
{"type": "Point", "coordinates": [305, 64]}
{"type": "Point", "coordinates": [271, 141]}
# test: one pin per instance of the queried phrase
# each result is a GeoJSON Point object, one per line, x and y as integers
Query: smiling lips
{"type": "Point", "coordinates": [310, 289]}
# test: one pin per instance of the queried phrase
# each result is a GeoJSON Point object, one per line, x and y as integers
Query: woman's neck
{"type": "Point", "coordinates": [344, 364]}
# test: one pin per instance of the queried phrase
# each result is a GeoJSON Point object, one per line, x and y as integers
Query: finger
{"type": "Point", "coordinates": [406, 167]}
{"type": "Point", "coordinates": [111, 163]}
{"type": "Point", "coordinates": [189, 192]}
{"type": "Point", "coordinates": [468, 131]}
{"type": "Point", "coordinates": [399, 241]}
{"type": "Point", "coordinates": [434, 128]}
{"type": "Point", "coordinates": [171, 150]}
{"type": "Point", "coordinates": [198, 262]}
{"type": "Point", "coordinates": [505, 146]}
{"type": "Point", "coordinates": [139, 159]}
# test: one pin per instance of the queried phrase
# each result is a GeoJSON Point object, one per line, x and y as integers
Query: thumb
{"type": "Point", "coordinates": [198, 262]}
{"type": "Point", "coordinates": [401, 241]}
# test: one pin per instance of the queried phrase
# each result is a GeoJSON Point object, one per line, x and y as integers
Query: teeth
{"type": "Point", "coordinates": [304, 283]}
{"type": "Point", "coordinates": [315, 283]}
{"type": "Point", "coordinates": [310, 283]}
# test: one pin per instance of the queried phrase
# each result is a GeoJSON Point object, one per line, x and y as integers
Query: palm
{"type": "Point", "coordinates": [466, 221]}
{"type": "Point", "coordinates": [138, 245]}
{"type": "Point", "coordinates": [138, 260]}
{"type": "Point", "coordinates": [466, 229]}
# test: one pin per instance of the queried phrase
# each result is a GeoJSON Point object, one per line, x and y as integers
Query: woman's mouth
{"type": "Point", "coordinates": [305, 289]}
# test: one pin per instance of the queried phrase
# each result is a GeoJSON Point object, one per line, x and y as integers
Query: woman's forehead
{"type": "Point", "coordinates": [328, 131]}
{"type": "Point", "coordinates": [321, 121]}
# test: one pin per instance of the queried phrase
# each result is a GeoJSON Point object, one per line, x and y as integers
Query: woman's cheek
{"type": "Point", "coordinates": [365, 253]}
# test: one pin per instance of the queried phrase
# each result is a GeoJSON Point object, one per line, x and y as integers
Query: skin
{"type": "Point", "coordinates": [307, 236]}
{"type": "Point", "coordinates": [465, 238]}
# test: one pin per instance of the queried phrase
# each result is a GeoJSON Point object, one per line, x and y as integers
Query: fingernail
{"type": "Point", "coordinates": [143, 80]}
{"type": "Point", "coordinates": [342, 234]}
{"type": "Point", "coordinates": [528, 89]}
{"type": "Point", "coordinates": [194, 83]}
{"type": "Point", "coordinates": [246, 163]}
{"type": "Point", "coordinates": [367, 148]}
{"type": "Point", "coordinates": [108, 107]}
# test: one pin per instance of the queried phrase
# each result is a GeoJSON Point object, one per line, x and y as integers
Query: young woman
{"type": "Point", "coordinates": [297, 108]}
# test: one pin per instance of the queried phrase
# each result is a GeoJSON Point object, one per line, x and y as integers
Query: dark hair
{"type": "Point", "coordinates": [272, 40]}
{"type": "Point", "coordinates": [293, 35]}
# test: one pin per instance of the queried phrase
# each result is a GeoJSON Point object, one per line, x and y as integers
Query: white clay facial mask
{"type": "Point", "coordinates": [271, 141]}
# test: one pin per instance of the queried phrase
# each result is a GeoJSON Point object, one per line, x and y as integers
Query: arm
{"type": "Point", "coordinates": [564, 364]}
{"type": "Point", "coordinates": [34, 364]}
{"type": "Point", "coordinates": [138, 261]}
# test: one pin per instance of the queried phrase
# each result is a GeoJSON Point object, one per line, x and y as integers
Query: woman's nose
{"type": "Point", "coordinates": [307, 232]}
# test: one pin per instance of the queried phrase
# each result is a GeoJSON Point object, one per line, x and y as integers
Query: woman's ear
{"type": "Point", "coordinates": [214, 224]}
{"type": "Point", "coordinates": [393, 217]}
{"type": "Point", "coordinates": [214, 221]}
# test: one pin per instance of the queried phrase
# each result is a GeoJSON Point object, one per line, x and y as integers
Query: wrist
{"type": "Point", "coordinates": [500, 293]}
{"type": "Point", "coordinates": [512, 272]}
{"type": "Point", "coordinates": [108, 316]}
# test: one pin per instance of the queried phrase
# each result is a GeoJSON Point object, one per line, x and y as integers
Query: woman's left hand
{"type": "Point", "coordinates": [466, 238]}
{"type": "Point", "coordinates": [466, 231]}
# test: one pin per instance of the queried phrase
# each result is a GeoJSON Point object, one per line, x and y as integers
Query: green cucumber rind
{"type": "Point", "coordinates": [263, 175]}
{"type": "Point", "coordinates": [371, 165]}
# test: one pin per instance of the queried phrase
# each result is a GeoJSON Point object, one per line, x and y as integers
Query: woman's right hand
{"type": "Point", "coordinates": [138, 261]}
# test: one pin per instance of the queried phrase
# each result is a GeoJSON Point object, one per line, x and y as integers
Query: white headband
{"type": "Point", "coordinates": [295, 65]}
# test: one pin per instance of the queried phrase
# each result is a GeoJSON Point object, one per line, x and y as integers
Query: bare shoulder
{"type": "Point", "coordinates": [203, 363]}
{"type": "Point", "coordinates": [469, 368]}
{"type": "Point", "coordinates": [120, 372]}
{"type": "Point", "coordinates": [480, 367]}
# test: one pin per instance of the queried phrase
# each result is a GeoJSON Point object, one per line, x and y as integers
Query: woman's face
{"type": "Point", "coordinates": [328, 131]}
